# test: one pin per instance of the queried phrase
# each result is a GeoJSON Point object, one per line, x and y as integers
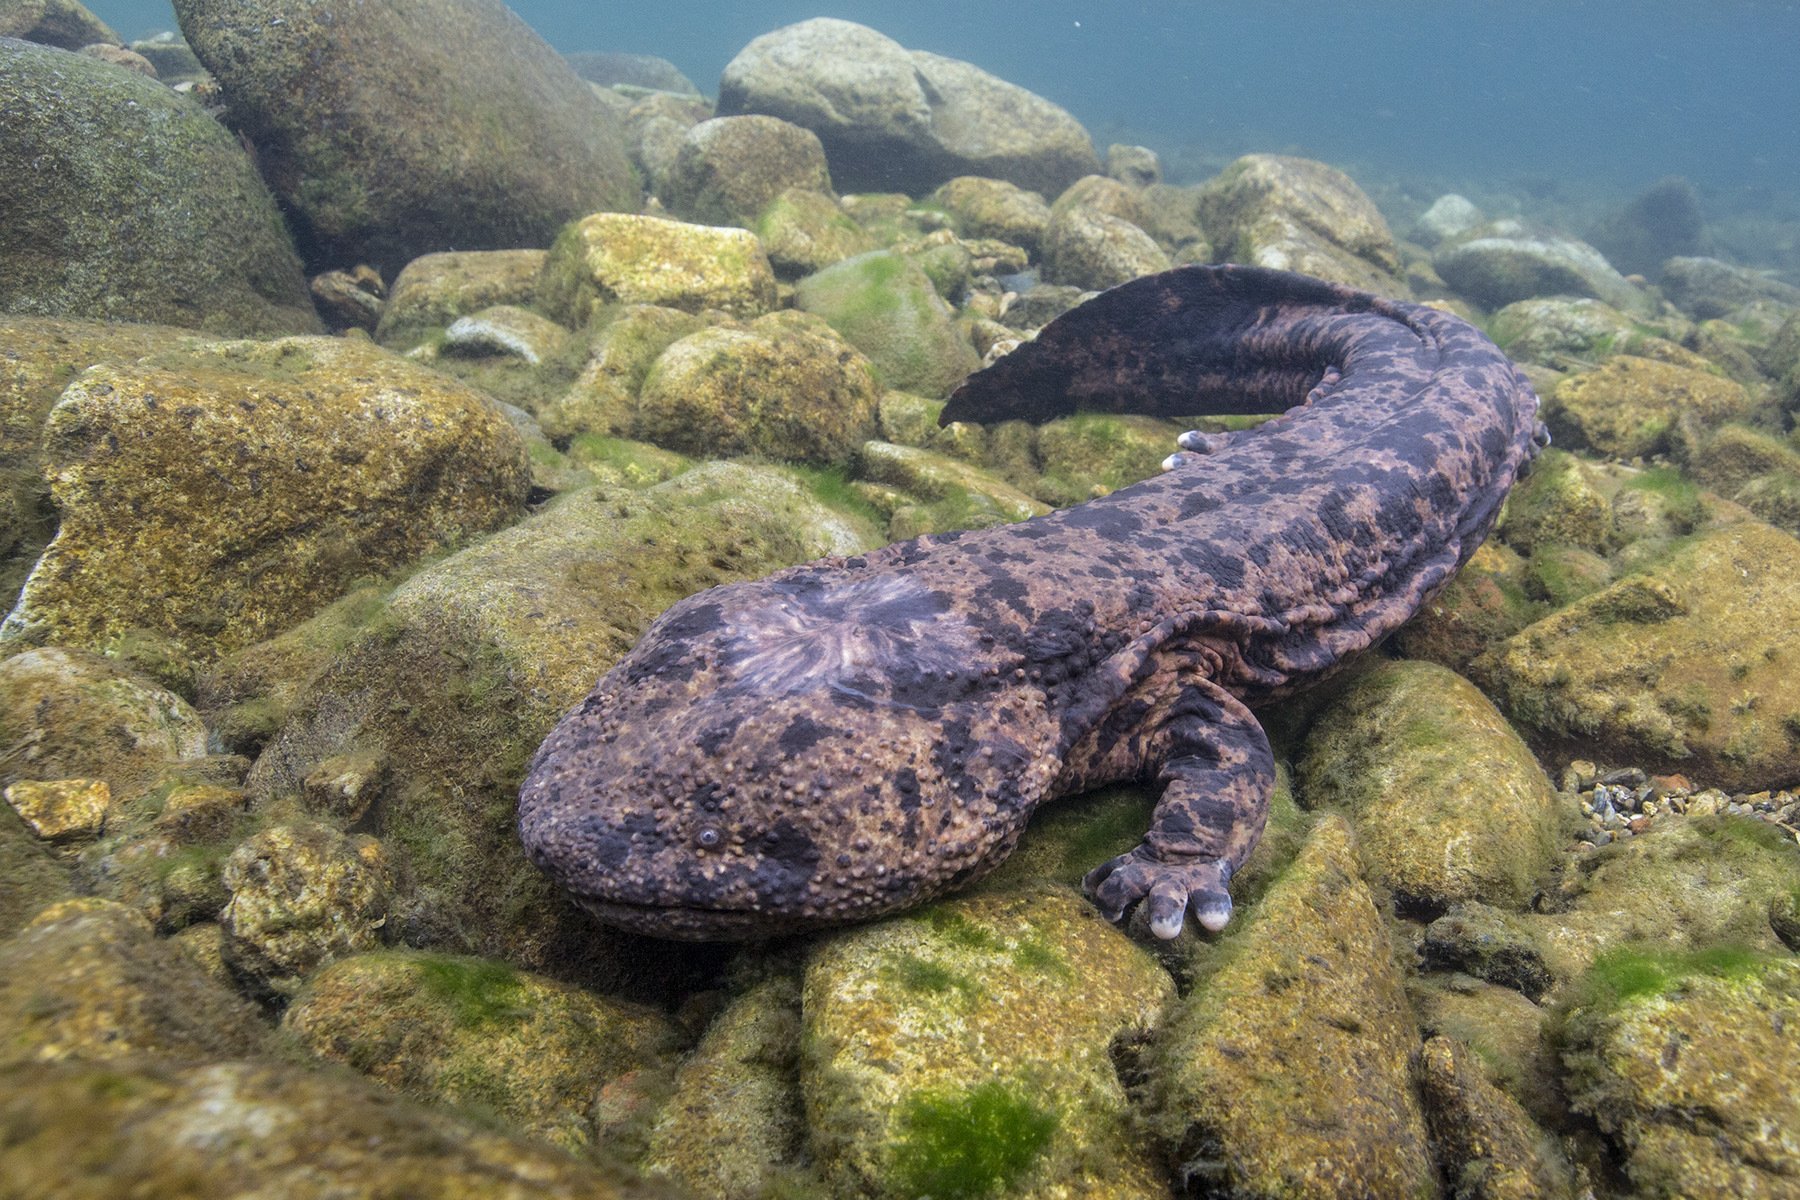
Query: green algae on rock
{"type": "Point", "coordinates": [994, 208]}
{"type": "Point", "coordinates": [1484, 604]}
{"type": "Point", "coordinates": [921, 491]}
{"type": "Point", "coordinates": [786, 387]}
{"type": "Point", "coordinates": [1630, 407]}
{"type": "Point", "coordinates": [1490, 1148]}
{"type": "Point", "coordinates": [622, 258]}
{"type": "Point", "coordinates": [220, 494]}
{"type": "Point", "coordinates": [886, 306]}
{"type": "Point", "coordinates": [87, 149]}
{"type": "Point", "coordinates": [729, 169]}
{"type": "Point", "coordinates": [946, 1052]}
{"type": "Point", "coordinates": [392, 130]}
{"type": "Point", "coordinates": [604, 397]}
{"type": "Point", "coordinates": [477, 1034]}
{"type": "Point", "coordinates": [1449, 805]}
{"type": "Point", "coordinates": [1091, 454]}
{"type": "Point", "coordinates": [1685, 666]}
{"type": "Point", "coordinates": [1095, 238]}
{"type": "Point", "coordinates": [1687, 1063]}
{"type": "Point", "coordinates": [1562, 502]}
{"type": "Point", "coordinates": [1286, 1070]}
{"type": "Point", "coordinates": [1502, 262]}
{"type": "Point", "coordinates": [31, 877]}
{"type": "Point", "coordinates": [88, 979]}
{"type": "Point", "coordinates": [1294, 214]}
{"type": "Point", "coordinates": [433, 290]}
{"type": "Point", "coordinates": [238, 1129]}
{"type": "Point", "coordinates": [804, 231]}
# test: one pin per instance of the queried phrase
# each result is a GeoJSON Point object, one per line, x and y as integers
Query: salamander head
{"type": "Point", "coordinates": [777, 755]}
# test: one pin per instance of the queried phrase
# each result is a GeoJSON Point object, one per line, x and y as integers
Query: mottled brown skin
{"type": "Point", "coordinates": [857, 735]}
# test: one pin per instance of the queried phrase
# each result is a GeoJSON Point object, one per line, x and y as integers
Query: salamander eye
{"type": "Point", "coordinates": [708, 837]}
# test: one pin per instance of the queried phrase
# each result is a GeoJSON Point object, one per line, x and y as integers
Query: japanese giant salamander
{"type": "Point", "coordinates": [856, 735]}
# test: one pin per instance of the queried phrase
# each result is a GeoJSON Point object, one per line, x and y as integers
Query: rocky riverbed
{"type": "Point", "coordinates": [367, 385]}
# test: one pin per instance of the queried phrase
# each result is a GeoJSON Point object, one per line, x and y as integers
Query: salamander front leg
{"type": "Point", "coordinates": [1216, 781]}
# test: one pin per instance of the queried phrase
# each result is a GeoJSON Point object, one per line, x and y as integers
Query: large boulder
{"type": "Point", "coordinates": [390, 130]}
{"type": "Point", "coordinates": [64, 23]}
{"type": "Point", "coordinates": [1503, 262]}
{"type": "Point", "coordinates": [893, 119]}
{"type": "Point", "coordinates": [125, 201]}
{"type": "Point", "coordinates": [1294, 214]}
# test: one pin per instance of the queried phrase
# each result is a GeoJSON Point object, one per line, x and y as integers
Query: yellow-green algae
{"type": "Point", "coordinates": [885, 305]}
{"type": "Point", "coordinates": [631, 259]}
{"type": "Point", "coordinates": [1489, 1147]}
{"type": "Point", "coordinates": [1628, 406]}
{"type": "Point", "coordinates": [929, 1034]}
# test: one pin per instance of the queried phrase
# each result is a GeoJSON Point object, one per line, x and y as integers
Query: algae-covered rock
{"type": "Point", "coordinates": [1552, 330]}
{"type": "Point", "coordinates": [922, 491]}
{"type": "Point", "coordinates": [243, 1129]}
{"type": "Point", "coordinates": [784, 388]}
{"type": "Point", "coordinates": [435, 289]}
{"type": "Point", "coordinates": [458, 676]}
{"type": "Point", "coordinates": [1490, 1148]}
{"type": "Point", "coordinates": [64, 23]}
{"type": "Point", "coordinates": [61, 810]}
{"type": "Point", "coordinates": [504, 331]}
{"type": "Point", "coordinates": [903, 120]}
{"type": "Point", "coordinates": [1485, 604]}
{"type": "Point", "coordinates": [1629, 406]}
{"type": "Point", "coordinates": [734, 1123]}
{"type": "Point", "coordinates": [603, 399]}
{"type": "Point", "coordinates": [994, 208]}
{"type": "Point", "coordinates": [88, 150]}
{"type": "Point", "coordinates": [477, 1033]}
{"type": "Point", "coordinates": [965, 1050]}
{"type": "Point", "coordinates": [1707, 287]}
{"type": "Point", "coordinates": [1091, 454]}
{"type": "Point", "coordinates": [623, 258]}
{"type": "Point", "coordinates": [1754, 468]}
{"type": "Point", "coordinates": [31, 878]}
{"type": "Point", "coordinates": [1686, 1062]}
{"type": "Point", "coordinates": [219, 494]}
{"type": "Point", "coordinates": [885, 306]}
{"type": "Point", "coordinates": [1561, 503]}
{"type": "Point", "coordinates": [1294, 214]}
{"type": "Point", "coordinates": [1448, 804]}
{"type": "Point", "coordinates": [87, 979]}
{"type": "Point", "coordinates": [302, 895]}
{"type": "Point", "coordinates": [728, 169]}
{"type": "Point", "coordinates": [66, 714]}
{"type": "Point", "coordinates": [1500, 263]}
{"type": "Point", "coordinates": [1489, 944]}
{"type": "Point", "coordinates": [1095, 238]}
{"type": "Point", "coordinates": [397, 129]}
{"type": "Point", "coordinates": [1685, 666]}
{"type": "Point", "coordinates": [805, 231]}
{"type": "Point", "coordinates": [1285, 1070]}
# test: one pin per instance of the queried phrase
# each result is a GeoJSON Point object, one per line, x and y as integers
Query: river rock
{"type": "Point", "coordinates": [1448, 216]}
{"type": "Point", "coordinates": [1503, 261]}
{"type": "Point", "coordinates": [1449, 805]}
{"type": "Point", "coordinates": [1562, 502]}
{"type": "Point", "coordinates": [219, 494]}
{"type": "Point", "coordinates": [253, 1129]}
{"type": "Point", "coordinates": [470, 1031]}
{"type": "Point", "coordinates": [804, 231]}
{"type": "Point", "coordinates": [1485, 604]}
{"type": "Point", "coordinates": [1490, 1147]}
{"type": "Point", "coordinates": [1285, 1071]}
{"type": "Point", "coordinates": [87, 150]}
{"type": "Point", "coordinates": [1662, 222]}
{"type": "Point", "coordinates": [435, 289]}
{"type": "Point", "coordinates": [1683, 667]}
{"type": "Point", "coordinates": [893, 119]}
{"type": "Point", "coordinates": [785, 387]}
{"type": "Point", "coordinates": [610, 68]}
{"type": "Point", "coordinates": [1706, 287]}
{"type": "Point", "coordinates": [1552, 330]}
{"type": "Point", "coordinates": [1686, 1062]}
{"type": "Point", "coordinates": [728, 169]}
{"type": "Point", "coordinates": [31, 877]}
{"type": "Point", "coordinates": [392, 130]}
{"type": "Point", "coordinates": [885, 305]}
{"type": "Point", "coordinates": [87, 979]}
{"type": "Point", "coordinates": [65, 24]}
{"type": "Point", "coordinates": [1294, 214]}
{"type": "Point", "coordinates": [965, 1049]}
{"type": "Point", "coordinates": [1095, 238]}
{"type": "Point", "coordinates": [604, 397]}
{"type": "Point", "coordinates": [994, 208]}
{"type": "Point", "coordinates": [923, 491]}
{"type": "Point", "coordinates": [1631, 407]}
{"type": "Point", "coordinates": [619, 258]}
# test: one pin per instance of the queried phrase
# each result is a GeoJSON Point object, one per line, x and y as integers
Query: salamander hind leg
{"type": "Point", "coordinates": [1217, 775]}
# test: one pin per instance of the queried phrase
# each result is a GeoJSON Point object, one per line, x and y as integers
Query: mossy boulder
{"type": "Point", "coordinates": [1285, 1071]}
{"type": "Point", "coordinates": [804, 231]}
{"type": "Point", "coordinates": [1449, 805]}
{"type": "Point", "coordinates": [1095, 238]}
{"type": "Point", "coordinates": [435, 289]}
{"type": "Point", "coordinates": [1503, 262]}
{"type": "Point", "coordinates": [1485, 604]}
{"type": "Point", "coordinates": [88, 980]}
{"type": "Point", "coordinates": [1754, 468]}
{"type": "Point", "coordinates": [1489, 1147]}
{"type": "Point", "coordinates": [1091, 454]}
{"type": "Point", "coordinates": [31, 877]}
{"type": "Point", "coordinates": [64, 23]}
{"type": "Point", "coordinates": [1631, 407]}
{"type": "Point", "coordinates": [728, 169]}
{"type": "Point", "coordinates": [219, 494]}
{"type": "Point", "coordinates": [785, 387]}
{"type": "Point", "coordinates": [1552, 330]}
{"type": "Point", "coordinates": [994, 208]}
{"type": "Point", "coordinates": [484, 139]}
{"type": "Point", "coordinates": [604, 397]}
{"type": "Point", "coordinates": [478, 1034]}
{"type": "Point", "coordinates": [1686, 1062]}
{"type": "Point", "coordinates": [239, 1129]}
{"type": "Point", "coordinates": [1709, 288]}
{"type": "Point", "coordinates": [87, 150]}
{"type": "Point", "coordinates": [921, 491]}
{"type": "Point", "coordinates": [622, 258]}
{"type": "Point", "coordinates": [1684, 666]}
{"type": "Point", "coordinates": [503, 331]}
{"type": "Point", "coordinates": [1294, 214]}
{"type": "Point", "coordinates": [1563, 502]}
{"type": "Point", "coordinates": [68, 714]}
{"type": "Point", "coordinates": [733, 1126]}
{"type": "Point", "coordinates": [903, 120]}
{"type": "Point", "coordinates": [965, 1051]}
{"type": "Point", "coordinates": [885, 306]}
{"type": "Point", "coordinates": [456, 677]}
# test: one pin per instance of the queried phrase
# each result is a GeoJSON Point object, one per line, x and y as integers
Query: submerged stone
{"type": "Point", "coordinates": [885, 306]}
{"type": "Point", "coordinates": [630, 259]}
{"type": "Point", "coordinates": [1294, 214]}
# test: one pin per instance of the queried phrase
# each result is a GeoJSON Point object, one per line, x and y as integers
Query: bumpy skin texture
{"type": "Point", "coordinates": [857, 735]}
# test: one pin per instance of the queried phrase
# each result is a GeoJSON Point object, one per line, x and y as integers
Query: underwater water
{"type": "Point", "coordinates": [1552, 102]}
